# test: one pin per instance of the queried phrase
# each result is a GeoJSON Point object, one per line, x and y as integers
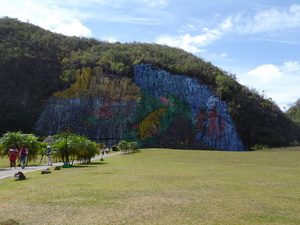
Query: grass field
{"type": "Point", "coordinates": [160, 186]}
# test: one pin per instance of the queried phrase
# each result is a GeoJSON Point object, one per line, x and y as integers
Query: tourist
{"type": "Point", "coordinates": [23, 153]}
{"type": "Point", "coordinates": [48, 153]}
{"type": "Point", "coordinates": [12, 154]}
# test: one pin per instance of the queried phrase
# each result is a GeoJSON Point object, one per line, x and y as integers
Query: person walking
{"type": "Point", "coordinates": [23, 153]}
{"type": "Point", "coordinates": [12, 154]}
{"type": "Point", "coordinates": [107, 150]}
{"type": "Point", "coordinates": [48, 153]}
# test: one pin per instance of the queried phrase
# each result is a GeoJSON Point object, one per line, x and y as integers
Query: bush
{"type": "Point", "coordinates": [259, 147]}
{"type": "Point", "coordinates": [115, 148]}
{"type": "Point", "coordinates": [294, 143]}
{"type": "Point", "coordinates": [178, 145]}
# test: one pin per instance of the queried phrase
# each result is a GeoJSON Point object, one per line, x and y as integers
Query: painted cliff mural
{"type": "Point", "coordinates": [155, 109]}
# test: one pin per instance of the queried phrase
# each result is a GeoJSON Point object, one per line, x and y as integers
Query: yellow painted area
{"type": "Point", "coordinates": [146, 125]}
{"type": "Point", "coordinates": [83, 79]}
{"type": "Point", "coordinates": [92, 83]}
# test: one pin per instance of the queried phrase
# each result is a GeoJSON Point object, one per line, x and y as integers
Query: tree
{"type": "Point", "coordinates": [60, 146]}
{"type": "Point", "coordinates": [133, 146]}
{"type": "Point", "coordinates": [123, 146]}
{"type": "Point", "coordinates": [83, 148]}
{"type": "Point", "coordinates": [127, 147]}
{"type": "Point", "coordinates": [294, 112]}
{"type": "Point", "coordinates": [19, 139]}
{"type": "Point", "coordinates": [70, 147]}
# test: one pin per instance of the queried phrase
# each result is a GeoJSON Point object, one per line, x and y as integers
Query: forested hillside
{"type": "Point", "coordinates": [36, 63]}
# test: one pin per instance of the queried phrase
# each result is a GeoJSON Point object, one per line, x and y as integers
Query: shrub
{"type": "Point", "coordinates": [259, 147]}
{"type": "Point", "coordinates": [294, 143]}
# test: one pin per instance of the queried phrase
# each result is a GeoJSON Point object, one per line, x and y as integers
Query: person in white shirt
{"type": "Point", "coordinates": [48, 153]}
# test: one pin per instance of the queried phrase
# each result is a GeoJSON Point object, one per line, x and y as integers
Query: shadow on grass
{"type": "Point", "coordinates": [88, 165]}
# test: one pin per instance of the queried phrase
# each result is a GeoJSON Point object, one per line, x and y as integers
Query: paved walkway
{"type": "Point", "coordinates": [7, 172]}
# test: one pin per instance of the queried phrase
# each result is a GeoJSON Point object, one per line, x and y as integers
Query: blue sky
{"type": "Point", "coordinates": [258, 41]}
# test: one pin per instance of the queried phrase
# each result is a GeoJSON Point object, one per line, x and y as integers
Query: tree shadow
{"type": "Point", "coordinates": [84, 165]}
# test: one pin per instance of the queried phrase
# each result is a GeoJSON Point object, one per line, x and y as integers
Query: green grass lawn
{"type": "Point", "coordinates": [160, 186]}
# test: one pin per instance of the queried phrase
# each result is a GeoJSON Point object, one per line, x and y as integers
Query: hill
{"type": "Point", "coordinates": [37, 66]}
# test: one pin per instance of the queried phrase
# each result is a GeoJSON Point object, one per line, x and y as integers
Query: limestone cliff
{"type": "Point", "coordinates": [155, 109]}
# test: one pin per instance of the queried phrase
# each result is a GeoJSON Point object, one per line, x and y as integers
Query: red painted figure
{"type": "Point", "coordinates": [104, 111]}
{"type": "Point", "coordinates": [213, 123]}
{"type": "Point", "coordinates": [201, 118]}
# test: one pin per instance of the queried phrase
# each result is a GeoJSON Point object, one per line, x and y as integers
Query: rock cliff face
{"type": "Point", "coordinates": [155, 109]}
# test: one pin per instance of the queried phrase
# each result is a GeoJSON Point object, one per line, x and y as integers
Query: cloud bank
{"type": "Point", "coordinates": [48, 15]}
{"type": "Point", "coordinates": [270, 23]}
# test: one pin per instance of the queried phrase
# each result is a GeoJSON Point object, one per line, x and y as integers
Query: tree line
{"type": "Point", "coordinates": [66, 147]}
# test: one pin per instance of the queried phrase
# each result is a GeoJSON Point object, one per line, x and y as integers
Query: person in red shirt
{"type": "Point", "coordinates": [23, 155]}
{"type": "Point", "coordinates": [12, 154]}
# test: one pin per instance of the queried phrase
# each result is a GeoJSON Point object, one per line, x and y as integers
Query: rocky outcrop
{"type": "Point", "coordinates": [155, 109]}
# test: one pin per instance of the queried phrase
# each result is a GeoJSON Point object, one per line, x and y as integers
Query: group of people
{"type": "Point", "coordinates": [105, 150]}
{"type": "Point", "coordinates": [13, 154]}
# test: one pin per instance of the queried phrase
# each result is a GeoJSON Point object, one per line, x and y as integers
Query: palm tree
{"type": "Point", "coordinates": [123, 146]}
{"type": "Point", "coordinates": [61, 146]}
{"type": "Point", "coordinates": [72, 147]}
{"type": "Point", "coordinates": [87, 149]}
{"type": "Point", "coordinates": [133, 146]}
{"type": "Point", "coordinates": [19, 139]}
{"type": "Point", "coordinates": [33, 146]}
{"type": "Point", "coordinates": [9, 139]}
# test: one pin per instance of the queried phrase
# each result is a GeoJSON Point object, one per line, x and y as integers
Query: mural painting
{"type": "Point", "coordinates": [211, 124]}
{"type": "Point", "coordinates": [94, 106]}
{"type": "Point", "coordinates": [154, 108]}
{"type": "Point", "coordinates": [150, 124]}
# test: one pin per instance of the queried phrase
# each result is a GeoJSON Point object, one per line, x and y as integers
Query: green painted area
{"type": "Point", "coordinates": [150, 107]}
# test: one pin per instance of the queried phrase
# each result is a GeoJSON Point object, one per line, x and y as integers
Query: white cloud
{"type": "Point", "coordinates": [226, 25]}
{"type": "Point", "coordinates": [270, 20]}
{"type": "Point", "coordinates": [73, 28]}
{"type": "Point", "coordinates": [266, 22]}
{"type": "Point", "coordinates": [121, 3]}
{"type": "Point", "coordinates": [155, 3]}
{"type": "Point", "coordinates": [68, 16]}
{"type": "Point", "coordinates": [48, 15]}
{"type": "Point", "coordinates": [292, 66]}
{"type": "Point", "coordinates": [217, 56]}
{"type": "Point", "coordinates": [189, 43]}
{"type": "Point", "coordinates": [191, 27]}
{"type": "Point", "coordinates": [278, 82]}
{"type": "Point", "coordinates": [265, 73]}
